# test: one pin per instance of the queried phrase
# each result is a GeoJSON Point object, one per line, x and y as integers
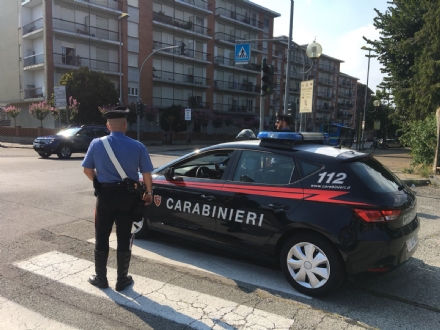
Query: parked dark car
{"type": "Point", "coordinates": [321, 213]}
{"type": "Point", "coordinates": [69, 140]}
{"type": "Point", "coordinates": [390, 143]}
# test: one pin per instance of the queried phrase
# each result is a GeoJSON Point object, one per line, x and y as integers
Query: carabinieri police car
{"type": "Point", "coordinates": [322, 213]}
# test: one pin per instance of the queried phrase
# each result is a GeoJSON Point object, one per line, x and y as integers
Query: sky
{"type": "Point", "coordinates": [338, 26]}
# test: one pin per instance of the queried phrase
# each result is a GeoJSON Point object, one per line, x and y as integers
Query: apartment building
{"type": "Point", "coordinates": [166, 52]}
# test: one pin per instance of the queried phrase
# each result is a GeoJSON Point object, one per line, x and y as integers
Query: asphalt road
{"type": "Point", "coordinates": [46, 254]}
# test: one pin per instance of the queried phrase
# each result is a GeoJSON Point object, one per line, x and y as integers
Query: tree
{"type": "Point", "coordinates": [92, 89]}
{"type": "Point", "coordinates": [41, 110]}
{"type": "Point", "coordinates": [12, 112]}
{"type": "Point", "coordinates": [217, 121]}
{"type": "Point", "coordinates": [172, 119]}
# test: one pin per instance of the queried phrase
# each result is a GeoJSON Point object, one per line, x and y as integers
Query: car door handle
{"type": "Point", "coordinates": [279, 206]}
{"type": "Point", "coordinates": [208, 197]}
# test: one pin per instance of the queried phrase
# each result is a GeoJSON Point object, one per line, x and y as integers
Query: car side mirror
{"type": "Point", "coordinates": [169, 175]}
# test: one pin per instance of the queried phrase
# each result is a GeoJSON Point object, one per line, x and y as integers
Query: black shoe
{"type": "Point", "coordinates": [96, 281]}
{"type": "Point", "coordinates": [100, 279]}
{"type": "Point", "coordinates": [124, 280]}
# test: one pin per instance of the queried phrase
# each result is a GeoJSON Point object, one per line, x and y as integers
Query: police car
{"type": "Point", "coordinates": [322, 213]}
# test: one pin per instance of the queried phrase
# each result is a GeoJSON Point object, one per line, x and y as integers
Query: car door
{"type": "Point", "coordinates": [261, 191]}
{"type": "Point", "coordinates": [82, 139]}
{"type": "Point", "coordinates": [188, 195]}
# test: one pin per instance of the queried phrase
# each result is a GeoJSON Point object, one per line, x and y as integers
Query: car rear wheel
{"type": "Point", "coordinates": [311, 264]}
{"type": "Point", "coordinates": [44, 154]}
{"type": "Point", "coordinates": [64, 152]}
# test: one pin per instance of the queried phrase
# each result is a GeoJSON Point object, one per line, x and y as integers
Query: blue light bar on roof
{"type": "Point", "coordinates": [293, 136]}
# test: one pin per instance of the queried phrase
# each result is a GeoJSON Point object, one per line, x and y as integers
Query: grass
{"type": "Point", "coordinates": [425, 171]}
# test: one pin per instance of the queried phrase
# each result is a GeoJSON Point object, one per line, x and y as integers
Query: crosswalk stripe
{"type": "Point", "coordinates": [15, 316]}
{"type": "Point", "coordinates": [238, 271]}
{"type": "Point", "coordinates": [191, 308]}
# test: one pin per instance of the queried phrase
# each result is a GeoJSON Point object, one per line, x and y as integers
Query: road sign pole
{"type": "Point", "coordinates": [262, 98]}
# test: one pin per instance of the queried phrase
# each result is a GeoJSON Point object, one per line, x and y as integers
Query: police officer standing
{"type": "Point", "coordinates": [283, 122]}
{"type": "Point", "coordinates": [114, 202]}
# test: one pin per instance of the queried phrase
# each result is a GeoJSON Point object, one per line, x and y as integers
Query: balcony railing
{"type": "Point", "coordinates": [186, 25]}
{"type": "Point", "coordinates": [236, 86]}
{"type": "Point", "coordinates": [31, 93]}
{"type": "Point", "coordinates": [326, 94]}
{"type": "Point", "coordinates": [179, 77]}
{"type": "Point", "coordinates": [93, 64]}
{"type": "Point", "coordinates": [345, 94]}
{"type": "Point", "coordinates": [323, 107]}
{"type": "Point", "coordinates": [345, 83]}
{"type": "Point", "coordinates": [33, 60]}
{"type": "Point", "coordinates": [345, 115]}
{"type": "Point", "coordinates": [234, 108]}
{"type": "Point", "coordinates": [195, 54]}
{"type": "Point", "coordinates": [345, 105]}
{"type": "Point", "coordinates": [161, 102]}
{"type": "Point", "coordinates": [83, 29]}
{"type": "Point", "coordinates": [35, 25]}
{"type": "Point", "coordinates": [325, 81]}
{"type": "Point", "coordinates": [105, 3]}
{"type": "Point", "coordinates": [197, 3]}
{"type": "Point", "coordinates": [326, 67]}
{"type": "Point", "coordinates": [255, 45]}
{"type": "Point", "coordinates": [238, 17]}
{"type": "Point", "coordinates": [230, 62]}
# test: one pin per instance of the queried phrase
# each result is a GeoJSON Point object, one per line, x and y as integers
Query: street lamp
{"type": "Point", "coordinates": [138, 121]}
{"type": "Point", "coordinates": [366, 93]}
{"type": "Point", "coordinates": [120, 18]}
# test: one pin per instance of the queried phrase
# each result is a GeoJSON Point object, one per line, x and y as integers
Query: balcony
{"type": "Point", "coordinates": [345, 94]}
{"type": "Point", "coordinates": [85, 31]}
{"type": "Point", "coordinates": [247, 87]}
{"type": "Point", "coordinates": [180, 25]}
{"type": "Point", "coordinates": [327, 95]}
{"type": "Point", "coordinates": [31, 3]}
{"type": "Point", "coordinates": [64, 61]}
{"type": "Point", "coordinates": [176, 78]}
{"type": "Point", "coordinates": [326, 67]}
{"type": "Point", "coordinates": [242, 20]}
{"type": "Point", "coordinates": [345, 83]}
{"type": "Point", "coordinates": [345, 105]}
{"type": "Point", "coordinates": [225, 61]}
{"type": "Point", "coordinates": [345, 115]}
{"type": "Point", "coordinates": [202, 57]}
{"type": "Point", "coordinates": [231, 39]}
{"type": "Point", "coordinates": [324, 107]}
{"type": "Point", "coordinates": [193, 103]}
{"type": "Point", "coordinates": [325, 81]}
{"type": "Point", "coordinates": [196, 4]}
{"type": "Point", "coordinates": [33, 28]}
{"type": "Point", "coordinates": [234, 108]}
{"type": "Point", "coordinates": [33, 61]}
{"type": "Point", "coordinates": [107, 5]}
{"type": "Point", "coordinates": [33, 93]}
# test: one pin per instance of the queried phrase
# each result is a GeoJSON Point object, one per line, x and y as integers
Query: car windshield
{"type": "Point", "coordinates": [69, 131]}
{"type": "Point", "coordinates": [377, 177]}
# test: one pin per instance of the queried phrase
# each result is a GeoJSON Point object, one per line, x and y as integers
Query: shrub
{"type": "Point", "coordinates": [12, 112]}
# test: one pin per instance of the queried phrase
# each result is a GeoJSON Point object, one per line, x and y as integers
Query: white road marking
{"type": "Point", "coordinates": [238, 271]}
{"type": "Point", "coordinates": [14, 316]}
{"type": "Point", "coordinates": [191, 308]}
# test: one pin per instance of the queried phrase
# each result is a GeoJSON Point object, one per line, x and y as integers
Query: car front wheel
{"type": "Point", "coordinates": [311, 264]}
{"type": "Point", "coordinates": [44, 154]}
{"type": "Point", "coordinates": [140, 228]}
{"type": "Point", "coordinates": [64, 152]}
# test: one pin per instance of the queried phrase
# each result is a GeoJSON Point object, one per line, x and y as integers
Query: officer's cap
{"type": "Point", "coordinates": [118, 112]}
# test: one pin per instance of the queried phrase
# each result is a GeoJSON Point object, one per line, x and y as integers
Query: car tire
{"type": "Point", "coordinates": [64, 152]}
{"type": "Point", "coordinates": [44, 154]}
{"type": "Point", "coordinates": [311, 264]}
{"type": "Point", "coordinates": [144, 231]}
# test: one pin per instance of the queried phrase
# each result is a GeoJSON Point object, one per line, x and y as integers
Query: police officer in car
{"type": "Point", "coordinates": [283, 122]}
{"type": "Point", "coordinates": [114, 202]}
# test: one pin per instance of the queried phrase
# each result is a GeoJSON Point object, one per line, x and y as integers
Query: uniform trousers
{"type": "Point", "coordinates": [114, 205]}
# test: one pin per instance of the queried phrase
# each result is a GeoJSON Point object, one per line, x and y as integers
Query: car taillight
{"type": "Point", "coordinates": [377, 215]}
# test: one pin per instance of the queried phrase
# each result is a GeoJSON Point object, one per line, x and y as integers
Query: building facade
{"type": "Point", "coordinates": [167, 52]}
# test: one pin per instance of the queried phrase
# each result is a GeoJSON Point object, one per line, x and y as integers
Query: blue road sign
{"type": "Point", "coordinates": [242, 53]}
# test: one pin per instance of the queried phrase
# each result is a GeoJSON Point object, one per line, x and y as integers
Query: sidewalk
{"type": "Point", "coordinates": [395, 159]}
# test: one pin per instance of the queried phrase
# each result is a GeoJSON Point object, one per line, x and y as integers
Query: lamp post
{"type": "Point", "coordinates": [138, 120]}
{"type": "Point", "coordinates": [366, 94]}
{"type": "Point", "coordinates": [120, 18]}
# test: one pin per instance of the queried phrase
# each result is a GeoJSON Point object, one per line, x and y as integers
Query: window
{"type": "Point", "coordinates": [307, 168]}
{"type": "Point", "coordinates": [266, 23]}
{"type": "Point", "coordinates": [208, 165]}
{"type": "Point", "coordinates": [132, 91]}
{"type": "Point", "coordinates": [265, 167]}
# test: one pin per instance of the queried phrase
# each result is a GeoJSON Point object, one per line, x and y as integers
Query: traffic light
{"type": "Point", "coordinates": [138, 108]}
{"type": "Point", "coordinates": [266, 78]}
{"type": "Point", "coordinates": [182, 48]}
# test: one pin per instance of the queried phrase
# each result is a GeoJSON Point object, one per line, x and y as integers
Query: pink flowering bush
{"type": "Point", "coordinates": [41, 110]}
{"type": "Point", "coordinates": [12, 112]}
{"type": "Point", "coordinates": [73, 107]}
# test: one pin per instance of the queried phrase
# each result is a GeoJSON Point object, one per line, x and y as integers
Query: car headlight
{"type": "Point", "coordinates": [49, 141]}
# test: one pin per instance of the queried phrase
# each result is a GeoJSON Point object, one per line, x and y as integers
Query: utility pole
{"type": "Point", "coordinates": [289, 53]}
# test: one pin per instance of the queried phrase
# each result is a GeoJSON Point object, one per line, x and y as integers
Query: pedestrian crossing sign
{"type": "Point", "coordinates": [242, 53]}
